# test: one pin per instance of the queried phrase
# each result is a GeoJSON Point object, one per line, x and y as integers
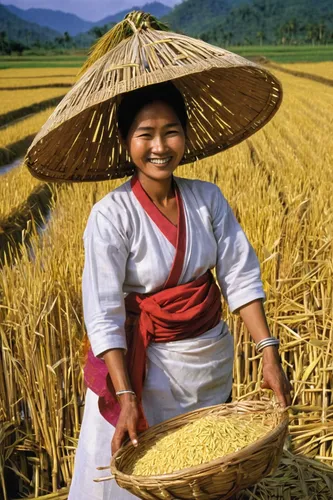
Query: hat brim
{"type": "Point", "coordinates": [227, 99]}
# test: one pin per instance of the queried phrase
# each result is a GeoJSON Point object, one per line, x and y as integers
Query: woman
{"type": "Point", "coordinates": [151, 238]}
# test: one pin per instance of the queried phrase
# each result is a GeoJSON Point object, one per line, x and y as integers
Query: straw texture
{"type": "Point", "coordinates": [220, 478]}
{"type": "Point", "coordinates": [228, 98]}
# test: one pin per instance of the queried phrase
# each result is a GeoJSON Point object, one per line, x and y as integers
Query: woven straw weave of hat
{"type": "Point", "coordinates": [228, 98]}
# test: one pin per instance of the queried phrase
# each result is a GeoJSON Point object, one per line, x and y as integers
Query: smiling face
{"type": "Point", "coordinates": [156, 141]}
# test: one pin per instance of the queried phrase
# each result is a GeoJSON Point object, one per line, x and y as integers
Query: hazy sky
{"type": "Point", "coordinates": [92, 10]}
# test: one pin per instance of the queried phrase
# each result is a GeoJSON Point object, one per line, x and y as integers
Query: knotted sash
{"type": "Point", "coordinates": [177, 312]}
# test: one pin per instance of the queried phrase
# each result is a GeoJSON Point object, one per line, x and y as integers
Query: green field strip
{"type": "Point", "coordinates": [288, 54]}
{"type": "Point", "coordinates": [285, 49]}
{"type": "Point", "coordinates": [58, 58]}
{"type": "Point", "coordinates": [40, 64]}
{"type": "Point", "coordinates": [300, 74]}
{"type": "Point", "coordinates": [277, 53]}
{"type": "Point", "coordinates": [301, 58]}
{"type": "Point", "coordinates": [46, 86]}
{"type": "Point", "coordinates": [37, 77]}
{"type": "Point", "coordinates": [15, 150]}
{"type": "Point", "coordinates": [6, 118]}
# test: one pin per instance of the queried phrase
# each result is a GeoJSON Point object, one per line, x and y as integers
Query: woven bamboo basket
{"type": "Point", "coordinates": [220, 478]}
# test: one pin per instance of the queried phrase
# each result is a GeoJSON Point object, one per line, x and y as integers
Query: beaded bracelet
{"type": "Point", "coordinates": [269, 341]}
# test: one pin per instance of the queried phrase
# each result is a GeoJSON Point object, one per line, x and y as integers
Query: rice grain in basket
{"type": "Point", "coordinates": [197, 443]}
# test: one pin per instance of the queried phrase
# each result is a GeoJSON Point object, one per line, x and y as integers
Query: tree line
{"type": "Point", "coordinates": [289, 33]}
{"type": "Point", "coordinates": [27, 41]}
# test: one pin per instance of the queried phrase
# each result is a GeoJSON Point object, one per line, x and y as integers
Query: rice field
{"type": "Point", "coordinates": [16, 137]}
{"type": "Point", "coordinates": [26, 97]}
{"type": "Point", "coordinates": [30, 77]}
{"type": "Point", "coordinates": [279, 183]}
{"type": "Point", "coordinates": [324, 69]}
{"type": "Point", "coordinates": [19, 183]}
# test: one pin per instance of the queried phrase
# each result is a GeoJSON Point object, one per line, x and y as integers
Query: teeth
{"type": "Point", "coordinates": [159, 161]}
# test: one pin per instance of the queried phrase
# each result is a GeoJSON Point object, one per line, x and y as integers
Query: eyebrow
{"type": "Point", "coordinates": [152, 128]}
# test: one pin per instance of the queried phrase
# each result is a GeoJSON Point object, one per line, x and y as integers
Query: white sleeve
{"type": "Point", "coordinates": [102, 284]}
{"type": "Point", "coordinates": [237, 266]}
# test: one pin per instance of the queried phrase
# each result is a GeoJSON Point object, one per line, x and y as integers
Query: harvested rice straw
{"type": "Point", "coordinates": [297, 477]}
{"type": "Point", "coordinates": [199, 442]}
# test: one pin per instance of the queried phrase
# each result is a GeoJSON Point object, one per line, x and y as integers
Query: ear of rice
{"type": "Point", "coordinates": [132, 22]}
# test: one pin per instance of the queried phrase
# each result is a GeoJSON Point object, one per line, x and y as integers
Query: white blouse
{"type": "Point", "coordinates": [126, 252]}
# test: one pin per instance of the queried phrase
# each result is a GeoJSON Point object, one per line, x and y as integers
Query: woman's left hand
{"type": "Point", "coordinates": [274, 377]}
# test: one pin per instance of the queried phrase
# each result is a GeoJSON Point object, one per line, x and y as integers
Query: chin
{"type": "Point", "coordinates": [157, 173]}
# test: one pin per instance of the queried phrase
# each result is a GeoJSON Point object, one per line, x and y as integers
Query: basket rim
{"type": "Point", "coordinates": [234, 458]}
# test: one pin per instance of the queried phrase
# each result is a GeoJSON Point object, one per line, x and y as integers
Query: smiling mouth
{"type": "Point", "coordinates": [159, 161]}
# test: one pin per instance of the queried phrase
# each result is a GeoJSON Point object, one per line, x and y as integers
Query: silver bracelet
{"type": "Point", "coordinates": [269, 341]}
{"type": "Point", "coordinates": [125, 391]}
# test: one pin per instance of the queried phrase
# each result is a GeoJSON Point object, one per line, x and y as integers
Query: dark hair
{"type": "Point", "coordinates": [134, 101]}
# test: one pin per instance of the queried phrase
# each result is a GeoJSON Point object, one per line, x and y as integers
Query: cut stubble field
{"type": "Point", "coordinates": [279, 184]}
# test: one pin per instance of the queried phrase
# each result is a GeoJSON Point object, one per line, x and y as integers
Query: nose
{"type": "Point", "coordinates": [158, 145]}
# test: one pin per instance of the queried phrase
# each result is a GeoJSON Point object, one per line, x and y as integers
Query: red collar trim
{"type": "Point", "coordinates": [162, 222]}
{"type": "Point", "coordinates": [176, 235]}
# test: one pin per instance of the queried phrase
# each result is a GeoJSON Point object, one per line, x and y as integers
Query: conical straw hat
{"type": "Point", "coordinates": [228, 98]}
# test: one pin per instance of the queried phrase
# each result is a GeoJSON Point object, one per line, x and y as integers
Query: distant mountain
{"type": "Point", "coordinates": [54, 19]}
{"type": "Point", "coordinates": [156, 9]}
{"type": "Point", "coordinates": [195, 16]}
{"type": "Point", "coordinates": [25, 32]}
{"type": "Point", "coordinates": [63, 21]}
{"type": "Point", "coordinates": [221, 22]}
{"type": "Point", "coordinates": [272, 21]}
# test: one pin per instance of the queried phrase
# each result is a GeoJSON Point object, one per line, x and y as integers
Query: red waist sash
{"type": "Point", "coordinates": [177, 313]}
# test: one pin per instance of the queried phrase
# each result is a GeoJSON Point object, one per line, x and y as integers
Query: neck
{"type": "Point", "coordinates": [160, 191]}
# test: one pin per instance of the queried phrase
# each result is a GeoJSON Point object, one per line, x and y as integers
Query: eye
{"type": "Point", "coordinates": [144, 135]}
{"type": "Point", "coordinates": [172, 132]}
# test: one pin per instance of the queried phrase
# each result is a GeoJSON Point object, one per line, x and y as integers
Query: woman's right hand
{"type": "Point", "coordinates": [127, 423]}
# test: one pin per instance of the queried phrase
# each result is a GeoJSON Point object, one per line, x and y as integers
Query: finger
{"type": "Point", "coordinates": [278, 391]}
{"type": "Point", "coordinates": [117, 440]}
{"type": "Point", "coordinates": [264, 385]}
{"type": "Point", "coordinates": [288, 395]}
{"type": "Point", "coordinates": [288, 399]}
{"type": "Point", "coordinates": [281, 396]}
{"type": "Point", "coordinates": [285, 389]}
{"type": "Point", "coordinates": [132, 433]}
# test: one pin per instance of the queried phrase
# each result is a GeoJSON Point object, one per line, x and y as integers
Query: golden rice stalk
{"type": "Point", "coordinates": [6, 429]}
{"type": "Point", "coordinates": [61, 494]}
{"type": "Point", "coordinates": [132, 22]}
{"type": "Point", "coordinates": [297, 477]}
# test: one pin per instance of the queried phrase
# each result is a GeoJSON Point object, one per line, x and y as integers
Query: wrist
{"type": "Point", "coordinates": [127, 399]}
{"type": "Point", "coordinates": [270, 354]}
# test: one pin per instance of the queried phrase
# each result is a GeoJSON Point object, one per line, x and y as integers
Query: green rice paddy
{"type": "Point", "coordinates": [279, 54]}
